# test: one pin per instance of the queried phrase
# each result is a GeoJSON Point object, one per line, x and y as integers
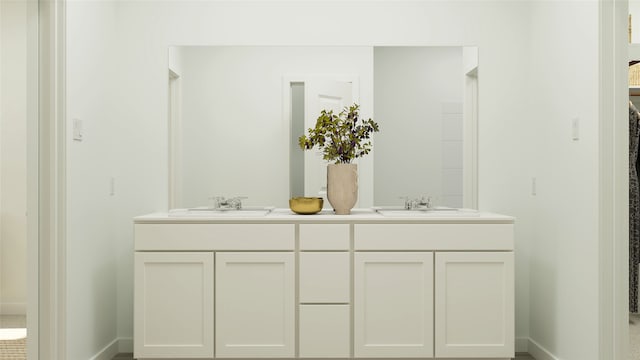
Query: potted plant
{"type": "Point", "coordinates": [342, 138]}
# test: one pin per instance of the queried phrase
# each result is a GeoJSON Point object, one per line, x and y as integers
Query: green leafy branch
{"type": "Point", "coordinates": [343, 137]}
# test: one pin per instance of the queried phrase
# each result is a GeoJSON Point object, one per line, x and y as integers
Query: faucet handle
{"type": "Point", "coordinates": [217, 201]}
{"type": "Point", "coordinates": [407, 202]}
{"type": "Point", "coordinates": [425, 200]}
{"type": "Point", "coordinates": [236, 202]}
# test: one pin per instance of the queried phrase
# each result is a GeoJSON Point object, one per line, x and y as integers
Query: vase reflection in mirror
{"type": "Point", "coordinates": [342, 187]}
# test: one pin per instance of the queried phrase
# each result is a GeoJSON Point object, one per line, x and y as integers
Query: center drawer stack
{"type": "Point", "coordinates": [324, 292]}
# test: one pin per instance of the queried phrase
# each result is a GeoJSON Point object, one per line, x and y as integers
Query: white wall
{"type": "Point", "coordinates": [91, 264]}
{"type": "Point", "coordinates": [562, 80]}
{"type": "Point", "coordinates": [146, 29]}
{"type": "Point", "coordinates": [414, 92]}
{"type": "Point", "coordinates": [13, 121]}
{"type": "Point", "coordinates": [235, 140]}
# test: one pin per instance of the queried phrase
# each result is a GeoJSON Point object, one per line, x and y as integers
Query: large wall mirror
{"type": "Point", "coordinates": [236, 113]}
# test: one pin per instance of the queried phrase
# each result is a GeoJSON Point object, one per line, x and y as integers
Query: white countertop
{"type": "Point", "coordinates": [285, 215]}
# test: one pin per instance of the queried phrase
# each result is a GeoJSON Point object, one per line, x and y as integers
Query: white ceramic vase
{"type": "Point", "coordinates": [342, 187]}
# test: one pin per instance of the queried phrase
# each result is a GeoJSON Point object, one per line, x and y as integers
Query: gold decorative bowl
{"type": "Point", "coordinates": [305, 205]}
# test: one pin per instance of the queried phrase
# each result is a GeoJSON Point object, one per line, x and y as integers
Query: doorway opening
{"type": "Point", "coordinates": [304, 98]}
{"type": "Point", "coordinates": [19, 60]}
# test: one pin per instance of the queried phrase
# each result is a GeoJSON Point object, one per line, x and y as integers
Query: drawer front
{"type": "Point", "coordinates": [324, 331]}
{"type": "Point", "coordinates": [224, 237]}
{"type": "Point", "coordinates": [324, 236]}
{"type": "Point", "coordinates": [324, 277]}
{"type": "Point", "coordinates": [425, 237]}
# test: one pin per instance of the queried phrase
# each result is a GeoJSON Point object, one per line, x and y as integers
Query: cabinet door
{"type": "Point", "coordinates": [173, 305]}
{"type": "Point", "coordinates": [393, 304]}
{"type": "Point", "coordinates": [474, 304]}
{"type": "Point", "coordinates": [255, 305]}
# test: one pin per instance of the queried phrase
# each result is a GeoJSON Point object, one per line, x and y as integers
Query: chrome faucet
{"type": "Point", "coordinates": [234, 203]}
{"type": "Point", "coordinates": [423, 202]}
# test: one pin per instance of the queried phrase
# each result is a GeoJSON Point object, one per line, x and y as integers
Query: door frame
{"type": "Point", "coordinates": [32, 167]}
{"type": "Point", "coordinates": [470, 140]}
{"type": "Point", "coordinates": [175, 140]}
{"type": "Point", "coordinates": [47, 204]}
{"type": "Point", "coordinates": [613, 179]}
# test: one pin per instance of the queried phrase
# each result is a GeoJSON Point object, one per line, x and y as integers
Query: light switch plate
{"type": "Point", "coordinates": [77, 130]}
{"type": "Point", "coordinates": [534, 187]}
{"type": "Point", "coordinates": [575, 129]}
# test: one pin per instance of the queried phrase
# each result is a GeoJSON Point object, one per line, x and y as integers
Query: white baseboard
{"type": "Point", "coordinates": [540, 353]}
{"type": "Point", "coordinates": [108, 352]}
{"type": "Point", "coordinates": [13, 308]}
{"type": "Point", "coordinates": [125, 345]}
{"type": "Point", "coordinates": [117, 346]}
{"type": "Point", "coordinates": [522, 345]}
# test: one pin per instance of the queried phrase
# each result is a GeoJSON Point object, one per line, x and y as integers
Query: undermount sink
{"type": "Point", "coordinates": [210, 212]}
{"type": "Point", "coordinates": [431, 212]}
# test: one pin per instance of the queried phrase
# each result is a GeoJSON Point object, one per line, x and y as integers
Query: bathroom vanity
{"type": "Point", "coordinates": [363, 285]}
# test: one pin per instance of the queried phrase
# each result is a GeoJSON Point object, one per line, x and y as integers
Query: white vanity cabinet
{"type": "Point", "coordinates": [176, 314]}
{"type": "Point", "coordinates": [324, 286]}
{"type": "Point", "coordinates": [434, 290]}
